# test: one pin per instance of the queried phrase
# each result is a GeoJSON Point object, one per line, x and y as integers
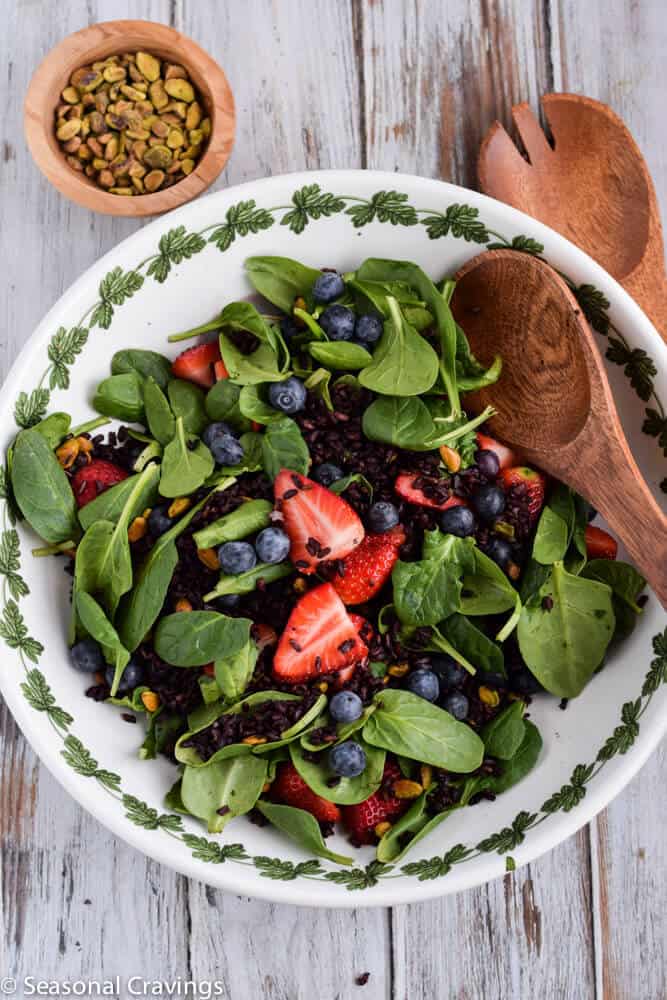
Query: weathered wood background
{"type": "Point", "coordinates": [396, 85]}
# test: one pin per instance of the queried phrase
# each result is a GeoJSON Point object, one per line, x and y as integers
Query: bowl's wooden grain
{"type": "Point", "coordinates": [98, 42]}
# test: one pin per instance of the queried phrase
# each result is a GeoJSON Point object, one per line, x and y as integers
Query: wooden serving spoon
{"type": "Point", "coordinates": [553, 400]}
{"type": "Point", "coordinates": [593, 186]}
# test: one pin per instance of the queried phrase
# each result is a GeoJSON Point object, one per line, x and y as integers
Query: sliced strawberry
{"type": "Point", "coordinates": [345, 675]}
{"type": "Point", "coordinates": [366, 570]}
{"type": "Point", "coordinates": [531, 485]}
{"type": "Point", "coordinates": [208, 669]}
{"type": "Point", "coordinates": [599, 543]}
{"type": "Point", "coordinates": [320, 524]}
{"type": "Point", "coordinates": [93, 479]}
{"type": "Point", "coordinates": [362, 818]}
{"type": "Point", "coordinates": [318, 638]}
{"type": "Point", "coordinates": [406, 489]}
{"type": "Point", "coordinates": [505, 455]}
{"type": "Point", "coordinates": [220, 371]}
{"type": "Point", "coordinates": [363, 627]}
{"type": "Point", "coordinates": [290, 789]}
{"type": "Point", "coordinates": [196, 364]}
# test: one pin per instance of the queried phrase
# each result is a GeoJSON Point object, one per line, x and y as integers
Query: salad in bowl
{"type": "Point", "coordinates": [329, 593]}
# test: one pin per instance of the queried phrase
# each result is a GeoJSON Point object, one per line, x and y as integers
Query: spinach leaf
{"type": "Point", "coordinates": [183, 469]}
{"type": "Point", "coordinates": [268, 362]}
{"type": "Point", "coordinates": [149, 364]}
{"type": "Point", "coordinates": [564, 642]}
{"type": "Point", "coordinates": [162, 730]}
{"type": "Point", "coordinates": [210, 689]}
{"type": "Point", "coordinates": [437, 643]}
{"type": "Point", "coordinates": [223, 790]}
{"type": "Point", "coordinates": [340, 485]}
{"type": "Point", "coordinates": [281, 280]}
{"type": "Point", "coordinates": [152, 452]}
{"type": "Point", "coordinates": [523, 761]}
{"type": "Point", "coordinates": [371, 296]}
{"type": "Point", "coordinates": [233, 673]}
{"type": "Point", "coordinates": [302, 827]}
{"type": "Point", "coordinates": [343, 730]}
{"type": "Point", "coordinates": [97, 625]}
{"type": "Point", "coordinates": [222, 404]}
{"type": "Point", "coordinates": [412, 726]}
{"type": "Point", "coordinates": [194, 638]}
{"type": "Point", "coordinates": [249, 517]}
{"type": "Point", "coordinates": [425, 592]}
{"type": "Point", "coordinates": [624, 580]}
{"type": "Point", "coordinates": [470, 374]}
{"type": "Point", "coordinates": [404, 364]}
{"type": "Point", "coordinates": [347, 791]}
{"type": "Point", "coordinates": [42, 490]}
{"type": "Point", "coordinates": [245, 583]}
{"type": "Point", "coordinates": [486, 591]}
{"type": "Point", "coordinates": [577, 555]}
{"type": "Point", "coordinates": [313, 329]}
{"type": "Point", "coordinates": [401, 421]}
{"type": "Point", "coordinates": [533, 577]}
{"type": "Point", "coordinates": [109, 505]}
{"type": "Point", "coordinates": [475, 646]}
{"type": "Point", "coordinates": [551, 538]}
{"type": "Point", "coordinates": [340, 355]}
{"type": "Point", "coordinates": [283, 447]}
{"type": "Point", "coordinates": [254, 406]}
{"type": "Point", "coordinates": [318, 383]}
{"type": "Point", "coordinates": [54, 428]}
{"type": "Point", "coordinates": [122, 397]}
{"type": "Point", "coordinates": [375, 269]}
{"type": "Point", "coordinates": [187, 401]}
{"type": "Point", "coordinates": [159, 417]}
{"type": "Point", "coordinates": [504, 735]}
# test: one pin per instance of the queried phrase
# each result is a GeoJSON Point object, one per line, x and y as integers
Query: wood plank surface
{"type": "Point", "coordinates": [405, 85]}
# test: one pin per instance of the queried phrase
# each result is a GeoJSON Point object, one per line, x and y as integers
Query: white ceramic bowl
{"type": "Point", "coordinates": [177, 272]}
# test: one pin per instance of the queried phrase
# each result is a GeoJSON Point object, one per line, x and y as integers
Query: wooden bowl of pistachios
{"type": "Point", "coordinates": [129, 118]}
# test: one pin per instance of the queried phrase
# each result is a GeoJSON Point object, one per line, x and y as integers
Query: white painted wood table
{"type": "Point", "coordinates": [399, 85]}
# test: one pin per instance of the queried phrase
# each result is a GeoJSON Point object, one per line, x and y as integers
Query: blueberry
{"type": "Point", "coordinates": [328, 286]}
{"type": "Point", "coordinates": [288, 396]}
{"type": "Point", "coordinates": [236, 557]}
{"type": "Point", "coordinates": [87, 656]}
{"type": "Point", "coordinates": [500, 551]}
{"type": "Point", "coordinates": [347, 759]}
{"type": "Point", "coordinates": [424, 683]}
{"type": "Point", "coordinates": [133, 676]}
{"type": "Point", "coordinates": [346, 706]}
{"type": "Point", "coordinates": [327, 473]}
{"type": "Point", "coordinates": [272, 545]}
{"type": "Point", "coordinates": [368, 328]}
{"type": "Point", "coordinates": [489, 502]}
{"type": "Point", "coordinates": [523, 682]}
{"type": "Point", "coordinates": [228, 601]}
{"type": "Point", "coordinates": [456, 704]}
{"type": "Point", "coordinates": [222, 444]}
{"type": "Point", "coordinates": [451, 673]}
{"type": "Point", "coordinates": [338, 322]}
{"type": "Point", "coordinates": [458, 521]}
{"type": "Point", "coordinates": [382, 516]}
{"type": "Point", "coordinates": [487, 463]}
{"type": "Point", "coordinates": [159, 521]}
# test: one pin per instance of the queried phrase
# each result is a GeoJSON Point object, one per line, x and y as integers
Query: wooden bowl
{"type": "Point", "coordinates": [98, 42]}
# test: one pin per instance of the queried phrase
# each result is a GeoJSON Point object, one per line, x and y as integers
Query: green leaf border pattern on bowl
{"type": "Point", "coordinates": [309, 203]}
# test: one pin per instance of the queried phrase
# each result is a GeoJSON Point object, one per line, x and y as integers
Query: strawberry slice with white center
{"type": "Point", "coordinates": [320, 524]}
{"type": "Point", "coordinates": [197, 364]}
{"type": "Point", "coordinates": [319, 638]}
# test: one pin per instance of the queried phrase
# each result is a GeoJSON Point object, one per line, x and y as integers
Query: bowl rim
{"type": "Point", "coordinates": [73, 51]}
{"type": "Point", "coordinates": [487, 867]}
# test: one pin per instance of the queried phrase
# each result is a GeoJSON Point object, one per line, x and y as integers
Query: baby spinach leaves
{"type": "Point", "coordinates": [224, 789]}
{"type": "Point", "coordinates": [97, 625]}
{"type": "Point", "coordinates": [233, 672]}
{"type": "Point", "coordinates": [222, 404]}
{"type": "Point", "coordinates": [473, 644]}
{"type": "Point", "coordinates": [249, 517]}
{"type": "Point", "coordinates": [302, 827]}
{"type": "Point", "coordinates": [281, 280]}
{"type": "Point", "coordinates": [470, 374]}
{"type": "Point", "coordinates": [283, 447]}
{"type": "Point", "coordinates": [340, 355]}
{"type": "Point", "coordinates": [486, 590]}
{"type": "Point", "coordinates": [401, 421]}
{"type": "Point", "coordinates": [159, 416]}
{"type": "Point", "coordinates": [187, 401]}
{"type": "Point", "coordinates": [184, 469]}
{"type": "Point", "coordinates": [523, 761]}
{"type": "Point", "coordinates": [412, 726]}
{"type": "Point", "coordinates": [555, 527]}
{"type": "Point", "coordinates": [270, 359]}
{"type": "Point", "coordinates": [148, 364]}
{"type": "Point", "coordinates": [194, 638]}
{"type": "Point", "coordinates": [54, 428]}
{"type": "Point", "coordinates": [41, 488]}
{"type": "Point", "coordinates": [428, 591]}
{"type": "Point", "coordinates": [346, 791]}
{"type": "Point", "coordinates": [564, 631]}
{"type": "Point", "coordinates": [504, 735]}
{"type": "Point", "coordinates": [109, 505]}
{"type": "Point", "coordinates": [624, 580]}
{"type": "Point", "coordinates": [404, 363]}
{"type": "Point", "coordinates": [245, 583]}
{"type": "Point", "coordinates": [122, 397]}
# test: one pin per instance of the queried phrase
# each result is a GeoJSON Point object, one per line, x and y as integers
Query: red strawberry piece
{"type": "Point", "coordinates": [345, 675]}
{"type": "Point", "coordinates": [363, 627]}
{"type": "Point", "coordinates": [505, 455]}
{"type": "Point", "coordinates": [220, 371]}
{"type": "Point", "coordinates": [381, 807]}
{"type": "Point", "coordinates": [532, 485]}
{"type": "Point", "coordinates": [93, 479]}
{"type": "Point", "coordinates": [208, 669]}
{"type": "Point", "coordinates": [290, 789]}
{"type": "Point", "coordinates": [406, 489]}
{"type": "Point", "coordinates": [320, 524]}
{"type": "Point", "coordinates": [196, 364]}
{"type": "Point", "coordinates": [368, 567]}
{"type": "Point", "coordinates": [599, 543]}
{"type": "Point", "coordinates": [318, 638]}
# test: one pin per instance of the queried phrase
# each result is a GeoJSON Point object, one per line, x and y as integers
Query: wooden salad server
{"type": "Point", "coordinates": [553, 400]}
{"type": "Point", "coordinates": [592, 186]}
